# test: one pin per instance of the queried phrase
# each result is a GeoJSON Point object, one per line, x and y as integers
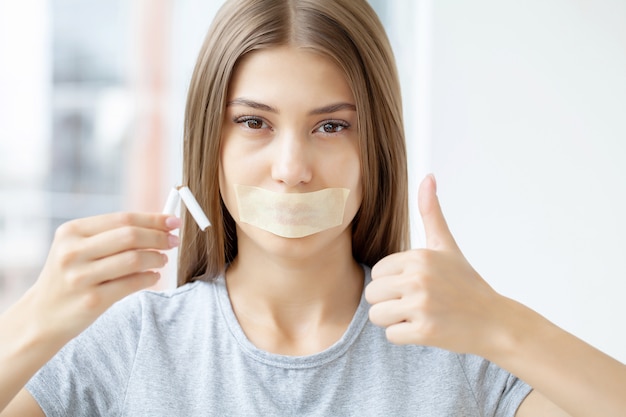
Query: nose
{"type": "Point", "coordinates": [292, 160]}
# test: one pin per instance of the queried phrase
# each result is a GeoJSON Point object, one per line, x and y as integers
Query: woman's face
{"type": "Point", "coordinates": [290, 127]}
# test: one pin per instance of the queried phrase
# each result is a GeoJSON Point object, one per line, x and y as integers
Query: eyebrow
{"type": "Point", "coordinates": [331, 108]}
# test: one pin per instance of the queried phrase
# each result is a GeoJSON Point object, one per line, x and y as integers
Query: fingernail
{"type": "Point", "coordinates": [434, 180]}
{"type": "Point", "coordinates": [173, 241]}
{"type": "Point", "coordinates": [173, 222]}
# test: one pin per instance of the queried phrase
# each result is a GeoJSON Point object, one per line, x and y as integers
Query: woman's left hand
{"type": "Point", "coordinates": [433, 296]}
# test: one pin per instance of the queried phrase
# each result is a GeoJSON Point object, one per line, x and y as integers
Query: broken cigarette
{"type": "Point", "coordinates": [184, 193]}
{"type": "Point", "coordinates": [194, 208]}
{"type": "Point", "coordinates": [172, 202]}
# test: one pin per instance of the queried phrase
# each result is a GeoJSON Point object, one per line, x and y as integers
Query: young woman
{"type": "Point", "coordinates": [303, 297]}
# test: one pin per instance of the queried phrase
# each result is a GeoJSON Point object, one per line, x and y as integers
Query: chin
{"type": "Point", "coordinates": [327, 241]}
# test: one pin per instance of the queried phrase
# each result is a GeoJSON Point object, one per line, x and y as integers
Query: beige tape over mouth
{"type": "Point", "coordinates": [291, 215]}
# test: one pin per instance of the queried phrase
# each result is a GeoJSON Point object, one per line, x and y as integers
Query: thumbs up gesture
{"type": "Point", "coordinates": [433, 296]}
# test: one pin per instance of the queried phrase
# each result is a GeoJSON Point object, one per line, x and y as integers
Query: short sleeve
{"type": "Point", "coordinates": [89, 375]}
{"type": "Point", "coordinates": [497, 392]}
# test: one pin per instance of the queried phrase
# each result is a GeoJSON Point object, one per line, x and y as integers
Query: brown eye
{"type": "Point", "coordinates": [332, 127]}
{"type": "Point", "coordinates": [253, 123]}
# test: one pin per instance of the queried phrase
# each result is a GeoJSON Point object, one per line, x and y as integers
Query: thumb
{"type": "Point", "coordinates": [438, 235]}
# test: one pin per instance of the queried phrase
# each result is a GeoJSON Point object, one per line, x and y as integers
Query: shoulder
{"type": "Point", "coordinates": [187, 293]}
{"type": "Point", "coordinates": [129, 318]}
{"type": "Point", "coordinates": [180, 294]}
{"type": "Point", "coordinates": [164, 304]}
{"type": "Point", "coordinates": [137, 335]}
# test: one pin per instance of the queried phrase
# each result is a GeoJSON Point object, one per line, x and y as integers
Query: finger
{"type": "Point", "coordinates": [390, 265]}
{"type": "Point", "coordinates": [120, 265]}
{"type": "Point", "coordinates": [402, 333]}
{"type": "Point", "coordinates": [383, 290]}
{"type": "Point", "coordinates": [438, 234]}
{"type": "Point", "coordinates": [91, 226]}
{"type": "Point", "coordinates": [124, 239]}
{"type": "Point", "coordinates": [113, 291]}
{"type": "Point", "coordinates": [388, 313]}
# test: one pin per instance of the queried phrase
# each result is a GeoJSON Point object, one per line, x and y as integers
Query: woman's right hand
{"type": "Point", "coordinates": [94, 262]}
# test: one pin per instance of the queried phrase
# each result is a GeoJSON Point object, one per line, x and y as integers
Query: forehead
{"type": "Point", "coordinates": [288, 73]}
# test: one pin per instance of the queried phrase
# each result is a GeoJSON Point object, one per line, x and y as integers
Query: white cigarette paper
{"type": "Point", "coordinates": [172, 202]}
{"type": "Point", "coordinates": [194, 208]}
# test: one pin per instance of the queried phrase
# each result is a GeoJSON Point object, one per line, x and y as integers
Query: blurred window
{"type": "Point", "coordinates": [88, 108]}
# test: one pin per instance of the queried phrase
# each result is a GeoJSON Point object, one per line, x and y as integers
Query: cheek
{"type": "Point", "coordinates": [226, 179]}
{"type": "Point", "coordinates": [355, 199]}
{"type": "Point", "coordinates": [340, 164]}
{"type": "Point", "coordinates": [351, 175]}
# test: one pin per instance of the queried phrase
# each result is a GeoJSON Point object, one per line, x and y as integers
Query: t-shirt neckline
{"type": "Point", "coordinates": [329, 354]}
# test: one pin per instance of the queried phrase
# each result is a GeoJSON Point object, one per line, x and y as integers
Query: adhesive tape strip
{"type": "Point", "coordinates": [291, 215]}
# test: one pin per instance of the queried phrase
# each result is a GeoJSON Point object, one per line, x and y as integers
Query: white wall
{"type": "Point", "coordinates": [528, 144]}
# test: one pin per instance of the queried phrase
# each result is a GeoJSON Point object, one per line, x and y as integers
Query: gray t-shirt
{"type": "Point", "coordinates": [183, 353]}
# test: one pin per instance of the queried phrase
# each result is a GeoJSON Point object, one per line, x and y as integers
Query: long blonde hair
{"type": "Point", "coordinates": [349, 33]}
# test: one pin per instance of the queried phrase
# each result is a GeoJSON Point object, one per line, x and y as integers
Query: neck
{"type": "Point", "coordinates": [294, 295]}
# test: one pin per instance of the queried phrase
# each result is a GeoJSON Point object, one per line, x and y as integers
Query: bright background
{"type": "Point", "coordinates": [518, 107]}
